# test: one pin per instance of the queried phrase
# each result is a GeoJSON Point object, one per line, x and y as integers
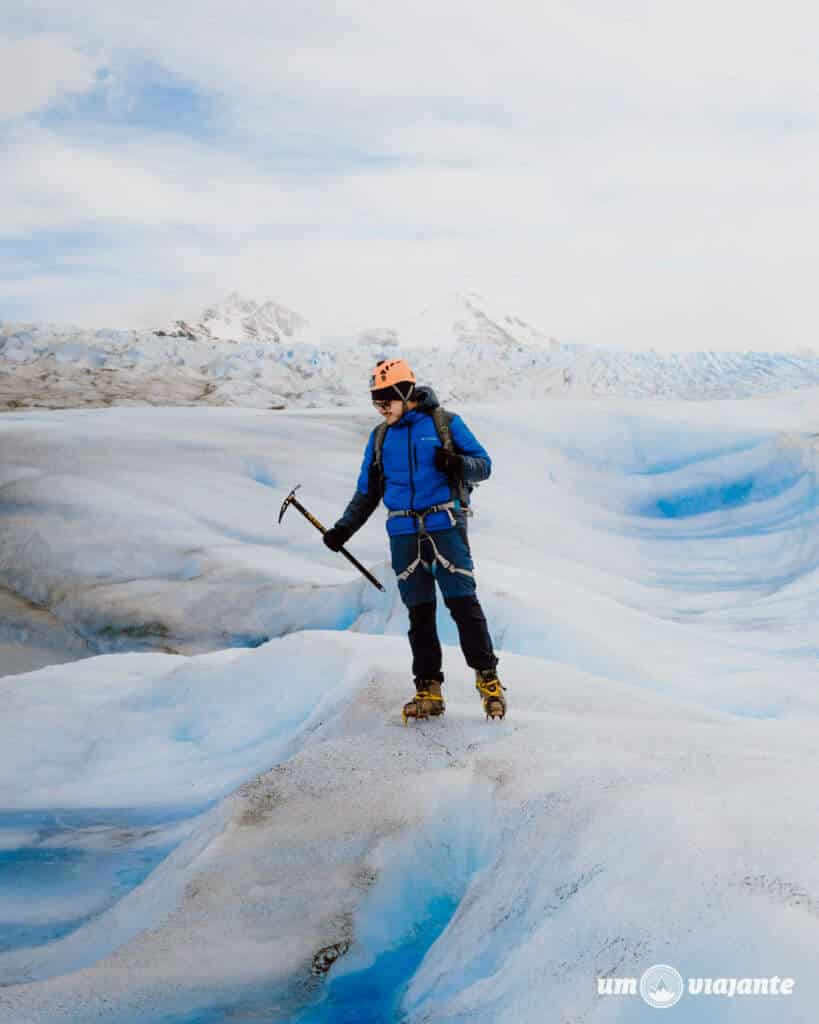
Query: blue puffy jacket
{"type": "Point", "coordinates": [411, 479]}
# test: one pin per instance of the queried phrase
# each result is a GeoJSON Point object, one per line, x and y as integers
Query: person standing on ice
{"type": "Point", "coordinates": [421, 461]}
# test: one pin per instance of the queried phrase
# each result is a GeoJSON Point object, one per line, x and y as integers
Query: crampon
{"type": "Point", "coordinates": [427, 702]}
{"type": "Point", "coordinates": [491, 690]}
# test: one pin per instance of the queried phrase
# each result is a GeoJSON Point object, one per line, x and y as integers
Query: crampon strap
{"type": "Point", "coordinates": [420, 695]}
{"type": "Point", "coordinates": [491, 693]}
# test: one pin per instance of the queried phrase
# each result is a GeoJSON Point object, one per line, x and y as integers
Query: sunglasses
{"type": "Point", "coordinates": [383, 406]}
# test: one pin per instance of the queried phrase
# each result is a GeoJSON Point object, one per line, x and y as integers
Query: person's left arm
{"type": "Point", "coordinates": [473, 463]}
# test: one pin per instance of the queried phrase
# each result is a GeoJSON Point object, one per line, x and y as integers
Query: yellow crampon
{"type": "Point", "coordinates": [420, 711]}
{"type": "Point", "coordinates": [491, 691]}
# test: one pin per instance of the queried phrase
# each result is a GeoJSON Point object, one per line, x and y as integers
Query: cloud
{"type": "Point", "coordinates": [633, 173]}
{"type": "Point", "coordinates": [39, 71]}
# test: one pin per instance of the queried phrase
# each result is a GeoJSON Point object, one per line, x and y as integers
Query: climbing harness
{"type": "Point", "coordinates": [446, 506]}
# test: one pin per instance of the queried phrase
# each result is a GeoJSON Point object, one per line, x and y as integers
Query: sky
{"type": "Point", "coordinates": [634, 174]}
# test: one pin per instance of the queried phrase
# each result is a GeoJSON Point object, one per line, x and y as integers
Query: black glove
{"type": "Point", "coordinates": [336, 537]}
{"type": "Point", "coordinates": [449, 463]}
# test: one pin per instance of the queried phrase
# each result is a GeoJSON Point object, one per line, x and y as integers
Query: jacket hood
{"type": "Point", "coordinates": [426, 399]}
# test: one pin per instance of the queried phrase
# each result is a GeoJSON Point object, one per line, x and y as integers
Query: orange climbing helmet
{"type": "Point", "coordinates": [387, 375]}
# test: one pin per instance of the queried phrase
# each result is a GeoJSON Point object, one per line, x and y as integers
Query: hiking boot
{"type": "Point", "coordinates": [427, 701]}
{"type": "Point", "coordinates": [489, 687]}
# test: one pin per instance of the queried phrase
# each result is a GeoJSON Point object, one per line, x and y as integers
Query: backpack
{"type": "Point", "coordinates": [441, 418]}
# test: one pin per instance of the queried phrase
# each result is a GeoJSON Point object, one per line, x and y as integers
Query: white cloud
{"type": "Point", "coordinates": [54, 183]}
{"type": "Point", "coordinates": [634, 173]}
{"type": "Point", "coordinates": [38, 71]}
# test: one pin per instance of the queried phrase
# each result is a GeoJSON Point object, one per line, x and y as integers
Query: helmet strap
{"type": "Point", "coordinates": [404, 400]}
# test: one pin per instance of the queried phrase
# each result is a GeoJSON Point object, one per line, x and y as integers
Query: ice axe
{"type": "Point", "coordinates": [291, 500]}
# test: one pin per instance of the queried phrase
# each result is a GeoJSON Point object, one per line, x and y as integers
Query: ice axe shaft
{"type": "Point", "coordinates": [291, 500]}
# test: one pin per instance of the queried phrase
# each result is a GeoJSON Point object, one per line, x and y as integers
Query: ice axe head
{"type": "Point", "coordinates": [288, 501]}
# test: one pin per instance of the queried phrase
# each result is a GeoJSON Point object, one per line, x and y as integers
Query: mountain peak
{"type": "Point", "coordinates": [466, 318]}
{"type": "Point", "coordinates": [239, 318]}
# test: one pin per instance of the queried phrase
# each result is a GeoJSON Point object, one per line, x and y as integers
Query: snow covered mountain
{"type": "Point", "coordinates": [466, 320]}
{"type": "Point", "coordinates": [263, 355]}
{"type": "Point", "coordinates": [239, 319]}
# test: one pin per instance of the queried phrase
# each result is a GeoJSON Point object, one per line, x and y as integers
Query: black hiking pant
{"type": "Point", "coordinates": [472, 632]}
{"type": "Point", "coordinates": [418, 592]}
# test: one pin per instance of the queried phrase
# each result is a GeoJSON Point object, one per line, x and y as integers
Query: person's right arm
{"type": "Point", "coordinates": [362, 504]}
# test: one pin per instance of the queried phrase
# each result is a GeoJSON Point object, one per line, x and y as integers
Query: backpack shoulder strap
{"type": "Point", "coordinates": [378, 442]}
{"type": "Point", "coordinates": [378, 446]}
{"type": "Point", "coordinates": [441, 418]}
